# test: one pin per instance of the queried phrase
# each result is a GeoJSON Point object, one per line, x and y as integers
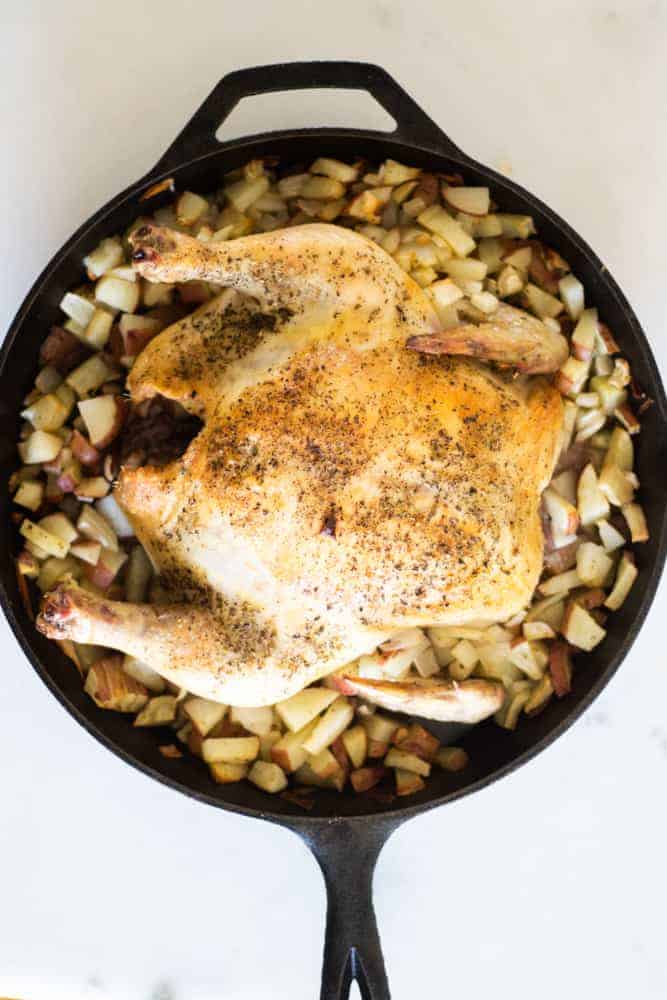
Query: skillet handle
{"type": "Point", "coordinates": [413, 126]}
{"type": "Point", "coordinates": [347, 852]}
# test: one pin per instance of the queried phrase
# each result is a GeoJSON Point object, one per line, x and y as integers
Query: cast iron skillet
{"type": "Point", "coordinates": [345, 832]}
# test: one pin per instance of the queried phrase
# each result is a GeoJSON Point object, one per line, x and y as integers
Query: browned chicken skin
{"type": "Point", "coordinates": [342, 487]}
{"type": "Point", "coordinates": [512, 337]}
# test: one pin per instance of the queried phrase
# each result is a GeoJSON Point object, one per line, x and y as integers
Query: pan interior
{"type": "Point", "coordinates": [493, 751]}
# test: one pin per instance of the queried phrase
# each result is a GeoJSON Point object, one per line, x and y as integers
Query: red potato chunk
{"type": "Point", "coordinates": [62, 350]}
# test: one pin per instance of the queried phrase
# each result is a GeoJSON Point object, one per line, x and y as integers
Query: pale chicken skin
{"type": "Point", "coordinates": [343, 486]}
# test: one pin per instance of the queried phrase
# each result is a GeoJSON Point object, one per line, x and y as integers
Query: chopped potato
{"type": "Point", "coordinates": [117, 293]}
{"type": "Point", "coordinates": [465, 658]}
{"type": "Point", "coordinates": [584, 336]}
{"type": "Point", "coordinates": [561, 583]}
{"type": "Point", "coordinates": [78, 307]}
{"type": "Point", "coordinates": [106, 255]}
{"type": "Point", "coordinates": [258, 721]}
{"type": "Point", "coordinates": [49, 543]}
{"type": "Point", "coordinates": [190, 207]}
{"type": "Point", "coordinates": [48, 413]}
{"type": "Point", "coordinates": [571, 292]}
{"type": "Point", "coordinates": [157, 712]}
{"type": "Point", "coordinates": [355, 741]}
{"type": "Point", "coordinates": [525, 655]}
{"type": "Point", "coordinates": [267, 776]}
{"type": "Point", "coordinates": [98, 330]}
{"type": "Point", "coordinates": [416, 739]}
{"type": "Point", "coordinates": [324, 763]}
{"type": "Point", "coordinates": [563, 514]}
{"type": "Point", "coordinates": [297, 711]}
{"type": "Point", "coordinates": [365, 778]}
{"type": "Point", "coordinates": [40, 447]}
{"type": "Point", "coordinates": [244, 193]}
{"type": "Point", "coordinates": [438, 221]}
{"type": "Point", "coordinates": [626, 575]}
{"type": "Point", "coordinates": [228, 774]}
{"type": "Point", "coordinates": [620, 453]}
{"type": "Point", "coordinates": [289, 751]}
{"type": "Point", "coordinates": [379, 728]}
{"type": "Point", "coordinates": [470, 200]}
{"type": "Point", "coordinates": [451, 758]}
{"type": "Point", "coordinates": [395, 173]}
{"type": "Point", "coordinates": [53, 570]}
{"type": "Point", "coordinates": [538, 630]}
{"type": "Point", "coordinates": [110, 687]}
{"type": "Point", "coordinates": [616, 485]}
{"type": "Point", "coordinates": [103, 417]}
{"type": "Point", "coordinates": [230, 749]}
{"type": "Point", "coordinates": [30, 495]}
{"type": "Point", "coordinates": [204, 714]}
{"type": "Point", "coordinates": [90, 375]}
{"type": "Point", "coordinates": [95, 526]}
{"type": "Point", "coordinates": [636, 521]}
{"type": "Point", "coordinates": [516, 226]}
{"type": "Point", "coordinates": [445, 293]}
{"type": "Point", "coordinates": [267, 742]}
{"type": "Point", "coordinates": [540, 696]}
{"type": "Point", "coordinates": [330, 726]}
{"type": "Point", "coordinates": [592, 504]}
{"type": "Point", "coordinates": [322, 187]}
{"type": "Point", "coordinates": [466, 269]}
{"type": "Point", "coordinates": [609, 536]}
{"type": "Point", "coordinates": [407, 782]}
{"type": "Point", "coordinates": [593, 564]}
{"type": "Point", "coordinates": [27, 564]}
{"type": "Point", "coordinates": [580, 628]}
{"type": "Point", "coordinates": [342, 172]}
{"type": "Point", "coordinates": [365, 206]}
{"type": "Point", "coordinates": [407, 762]}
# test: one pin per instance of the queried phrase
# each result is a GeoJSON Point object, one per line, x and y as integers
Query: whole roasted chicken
{"type": "Point", "coordinates": [351, 479]}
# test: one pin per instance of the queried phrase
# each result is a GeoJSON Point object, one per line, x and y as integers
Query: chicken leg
{"type": "Point", "coordinates": [172, 638]}
{"type": "Point", "coordinates": [291, 270]}
{"type": "Point", "coordinates": [166, 636]}
{"type": "Point", "coordinates": [342, 487]}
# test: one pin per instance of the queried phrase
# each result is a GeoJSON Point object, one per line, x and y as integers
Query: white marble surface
{"type": "Point", "coordinates": [551, 882]}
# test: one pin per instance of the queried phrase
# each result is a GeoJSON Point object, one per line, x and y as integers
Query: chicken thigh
{"type": "Point", "coordinates": [343, 486]}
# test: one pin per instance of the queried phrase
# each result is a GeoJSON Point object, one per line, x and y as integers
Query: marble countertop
{"type": "Point", "coordinates": [551, 881]}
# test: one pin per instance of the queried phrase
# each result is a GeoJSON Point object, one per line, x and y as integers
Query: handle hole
{"type": "Point", "coordinates": [305, 109]}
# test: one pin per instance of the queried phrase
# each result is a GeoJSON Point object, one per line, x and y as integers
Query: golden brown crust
{"type": "Point", "coordinates": [343, 486]}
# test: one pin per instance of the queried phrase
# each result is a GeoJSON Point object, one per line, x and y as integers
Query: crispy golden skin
{"type": "Point", "coordinates": [343, 486]}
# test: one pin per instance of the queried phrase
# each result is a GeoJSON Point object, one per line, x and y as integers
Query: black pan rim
{"type": "Point", "coordinates": [391, 816]}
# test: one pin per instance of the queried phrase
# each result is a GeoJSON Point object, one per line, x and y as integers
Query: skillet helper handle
{"type": "Point", "coordinates": [347, 852]}
{"type": "Point", "coordinates": [413, 126]}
